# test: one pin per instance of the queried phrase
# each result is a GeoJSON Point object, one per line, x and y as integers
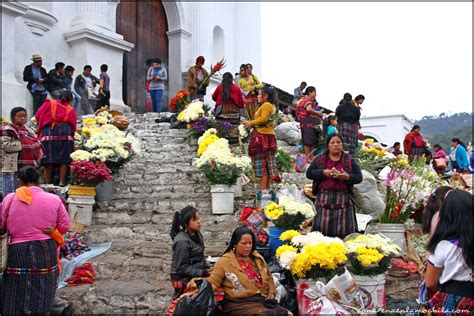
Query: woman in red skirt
{"type": "Point", "coordinates": [262, 143]}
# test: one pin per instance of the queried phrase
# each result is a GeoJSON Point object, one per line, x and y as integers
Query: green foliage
{"type": "Point", "coordinates": [283, 161]}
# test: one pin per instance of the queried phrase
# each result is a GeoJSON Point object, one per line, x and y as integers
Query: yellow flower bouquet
{"type": "Point", "coordinates": [370, 254]}
{"type": "Point", "coordinates": [312, 256]}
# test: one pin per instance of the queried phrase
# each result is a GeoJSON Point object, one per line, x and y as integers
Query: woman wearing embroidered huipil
{"type": "Point", "coordinates": [262, 143]}
{"type": "Point", "coordinates": [334, 173]}
{"type": "Point", "coordinates": [56, 128]}
{"type": "Point", "coordinates": [249, 84]}
{"type": "Point", "coordinates": [30, 279]}
{"type": "Point", "coordinates": [245, 277]}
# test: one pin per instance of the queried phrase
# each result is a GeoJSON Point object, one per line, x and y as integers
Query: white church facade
{"type": "Point", "coordinates": [386, 129]}
{"type": "Point", "coordinates": [125, 36]}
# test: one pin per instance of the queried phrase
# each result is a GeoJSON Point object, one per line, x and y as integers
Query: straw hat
{"type": "Point", "coordinates": [36, 57]}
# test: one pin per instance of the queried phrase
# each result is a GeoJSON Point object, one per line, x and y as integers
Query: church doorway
{"type": "Point", "coordinates": [144, 24]}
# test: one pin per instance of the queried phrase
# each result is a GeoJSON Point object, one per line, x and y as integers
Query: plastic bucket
{"type": "Point", "coordinates": [81, 190]}
{"type": "Point", "coordinates": [104, 191]}
{"type": "Point", "coordinates": [274, 238]}
{"type": "Point", "coordinates": [80, 208]}
{"type": "Point", "coordinates": [396, 232]}
{"type": "Point", "coordinates": [375, 285]}
{"type": "Point", "coordinates": [222, 199]}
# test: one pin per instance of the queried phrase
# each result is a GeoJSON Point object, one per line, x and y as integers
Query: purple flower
{"type": "Point", "coordinates": [225, 124]}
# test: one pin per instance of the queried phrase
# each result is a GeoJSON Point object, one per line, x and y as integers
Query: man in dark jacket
{"type": "Point", "coordinates": [84, 83]}
{"type": "Point", "coordinates": [56, 80]}
{"type": "Point", "coordinates": [36, 77]}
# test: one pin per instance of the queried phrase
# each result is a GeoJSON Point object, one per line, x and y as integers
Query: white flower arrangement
{"type": "Point", "coordinates": [292, 207]}
{"type": "Point", "coordinates": [82, 155]}
{"type": "Point", "coordinates": [192, 112]}
{"type": "Point", "coordinates": [373, 241]}
{"type": "Point", "coordinates": [313, 239]}
{"type": "Point", "coordinates": [243, 131]}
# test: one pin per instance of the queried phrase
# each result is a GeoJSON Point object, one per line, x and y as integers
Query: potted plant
{"type": "Point", "coordinates": [221, 169]}
{"type": "Point", "coordinates": [406, 189]}
{"type": "Point", "coordinates": [287, 214]}
{"type": "Point", "coordinates": [369, 257]}
{"type": "Point", "coordinates": [310, 258]}
{"type": "Point", "coordinates": [85, 176]}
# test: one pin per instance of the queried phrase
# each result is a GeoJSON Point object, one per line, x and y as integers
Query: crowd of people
{"type": "Point", "coordinates": [89, 92]}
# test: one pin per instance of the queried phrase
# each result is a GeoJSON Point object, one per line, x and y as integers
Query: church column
{"type": "Point", "coordinates": [12, 90]}
{"type": "Point", "coordinates": [178, 41]}
{"type": "Point", "coordinates": [94, 42]}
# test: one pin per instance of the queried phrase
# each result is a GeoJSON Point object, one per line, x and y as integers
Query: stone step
{"type": "Point", "coordinates": [137, 296]}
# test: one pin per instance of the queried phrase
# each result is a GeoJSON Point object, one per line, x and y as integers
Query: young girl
{"type": "Point", "coordinates": [20, 148]}
{"type": "Point", "coordinates": [262, 143]}
{"type": "Point", "coordinates": [430, 217]}
{"type": "Point", "coordinates": [451, 261]}
{"type": "Point", "coordinates": [188, 249]}
{"type": "Point", "coordinates": [330, 125]}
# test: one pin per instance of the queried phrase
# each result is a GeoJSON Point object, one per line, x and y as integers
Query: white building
{"type": "Point", "coordinates": [125, 35]}
{"type": "Point", "coordinates": [386, 129]}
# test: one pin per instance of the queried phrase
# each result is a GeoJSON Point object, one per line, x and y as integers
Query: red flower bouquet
{"type": "Point", "coordinates": [179, 101]}
{"type": "Point", "coordinates": [89, 173]}
{"type": "Point", "coordinates": [217, 67]}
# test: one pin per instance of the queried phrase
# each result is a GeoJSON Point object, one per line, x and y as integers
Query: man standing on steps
{"type": "Point", "coordinates": [36, 77]}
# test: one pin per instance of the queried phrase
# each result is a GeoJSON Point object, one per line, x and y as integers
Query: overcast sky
{"type": "Point", "coordinates": [411, 58]}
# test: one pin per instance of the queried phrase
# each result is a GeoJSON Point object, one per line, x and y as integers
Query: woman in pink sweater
{"type": "Point", "coordinates": [30, 279]}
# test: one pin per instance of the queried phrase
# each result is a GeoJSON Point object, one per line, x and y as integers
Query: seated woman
{"type": "Point", "coordinates": [188, 249]}
{"type": "Point", "coordinates": [245, 277]}
{"type": "Point", "coordinates": [30, 279]}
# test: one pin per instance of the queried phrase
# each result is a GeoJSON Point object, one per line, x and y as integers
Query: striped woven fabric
{"type": "Point", "coordinates": [30, 271]}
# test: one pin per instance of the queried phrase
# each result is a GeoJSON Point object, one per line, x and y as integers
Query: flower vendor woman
{"type": "Point", "coordinates": [245, 277]}
{"type": "Point", "coordinates": [56, 128]}
{"type": "Point", "coordinates": [262, 143]}
{"type": "Point", "coordinates": [414, 144]}
{"type": "Point", "coordinates": [30, 279]}
{"type": "Point", "coordinates": [188, 249]}
{"type": "Point", "coordinates": [196, 82]}
{"type": "Point", "coordinates": [309, 116]}
{"type": "Point", "coordinates": [229, 101]}
{"type": "Point", "coordinates": [20, 148]}
{"type": "Point", "coordinates": [250, 84]}
{"type": "Point", "coordinates": [448, 286]}
{"type": "Point", "coordinates": [348, 117]}
{"type": "Point", "coordinates": [334, 173]}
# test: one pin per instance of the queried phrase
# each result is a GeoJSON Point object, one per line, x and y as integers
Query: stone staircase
{"type": "Point", "coordinates": [133, 276]}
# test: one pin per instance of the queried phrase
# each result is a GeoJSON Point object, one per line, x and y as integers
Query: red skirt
{"type": "Point", "coordinates": [262, 145]}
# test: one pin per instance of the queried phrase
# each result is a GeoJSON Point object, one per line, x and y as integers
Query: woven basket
{"type": "Point", "coordinates": [111, 112]}
{"type": "Point", "coordinates": [76, 227]}
{"type": "Point", "coordinates": [121, 122]}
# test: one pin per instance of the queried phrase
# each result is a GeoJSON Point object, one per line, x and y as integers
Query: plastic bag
{"type": "Point", "coordinates": [288, 301]}
{"type": "Point", "coordinates": [300, 163]}
{"type": "Point", "coordinates": [198, 299]}
{"type": "Point", "coordinates": [368, 197]}
{"type": "Point", "coordinates": [289, 132]}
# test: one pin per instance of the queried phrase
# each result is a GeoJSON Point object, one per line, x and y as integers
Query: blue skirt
{"type": "Point", "coordinates": [58, 143]}
{"type": "Point", "coordinates": [9, 183]}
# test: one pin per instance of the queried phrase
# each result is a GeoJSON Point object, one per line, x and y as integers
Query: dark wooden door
{"type": "Point", "coordinates": [144, 24]}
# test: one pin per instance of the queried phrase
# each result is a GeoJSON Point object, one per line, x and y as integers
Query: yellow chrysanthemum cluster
{"type": "Point", "coordinates": [273, 211]}
{"type": "Point", "coordinates": [324, 255]}
{"type": "Point", "coordinates": [373, 150]}
{"type": "Point", "coordinates": [284, 248]}
{"type": "Point", "coordinates": [400, 163]}
{"type": "Point", "coordinates": [206, 139]}
{"type": "Point", "coordinates": [368, 256]}
{"type": "Point", "coordinates": [289, 234]}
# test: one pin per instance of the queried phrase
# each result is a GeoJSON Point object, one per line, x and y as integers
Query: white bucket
{"type": "Point", "coordinates": [222, 199]}
{"type": "Point", "coordinates": [396, 232]}
{"type": "Point", "coordinates": [375, 285]}
{"type": "Point", "coordinates": [82, 206]}
{"type": "Point", "coordinates": [104, 191]}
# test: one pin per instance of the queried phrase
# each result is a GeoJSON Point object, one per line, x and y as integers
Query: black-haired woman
{"type": "Point", "coordinates": [334, 174]}
{"type": "Point", "coordinates": [188, 249]}
{"type": "Point", "coordinates": [229, 101]}
{"type": "Point", "coordinates": [56, 128]}
{"type": "Point", "coordinates": [30, 279]}
{"type": "Point", "coordinates": [430, 216]}
{"type": "Point", "coordinates": [348, 117]}
{"type": "Point", "coordinates": [309, 115]}
{"type": "Point", "coordinates": [451, 262]}
{"type": "Point", "coordinates": [262, 143]}
{"type": "Point", "coordinates": [20, 148]}
{"type": "Point", "coordinates": [414, 144]}
{"type": "Point", "coordinates": [250, 84]}
{"type": "Point", "coordinates": [245, 277]}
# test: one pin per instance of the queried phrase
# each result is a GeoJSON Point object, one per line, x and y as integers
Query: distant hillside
{"type": "Point", "coordinates": [441, 128]}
